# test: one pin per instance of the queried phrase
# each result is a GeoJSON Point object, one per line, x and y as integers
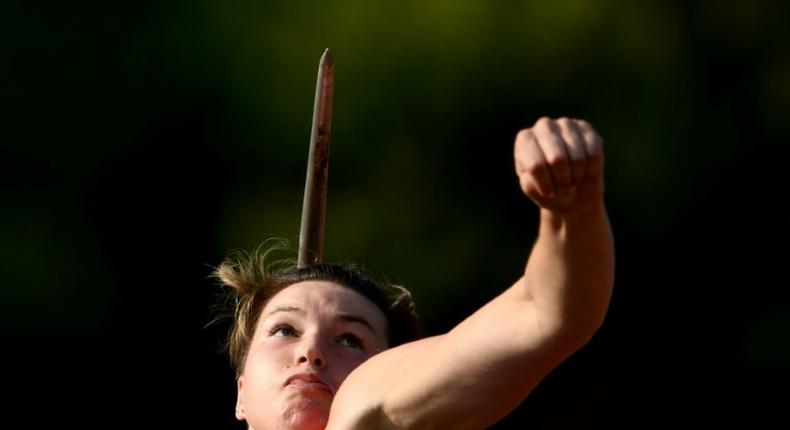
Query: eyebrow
{"type": "Point", "coordinates": [341, 317]}
{"type": "Point", "coordinates": [356, 319]}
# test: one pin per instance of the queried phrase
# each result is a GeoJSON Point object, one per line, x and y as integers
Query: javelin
{"type": "Point", "coordinates": [311, 232]}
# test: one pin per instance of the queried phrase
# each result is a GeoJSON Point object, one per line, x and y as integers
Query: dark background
{"type": "Point", "coordinates": [141, 141]}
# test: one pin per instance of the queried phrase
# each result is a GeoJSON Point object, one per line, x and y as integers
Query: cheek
{"type": "Point", "coordinates": [265, 367]}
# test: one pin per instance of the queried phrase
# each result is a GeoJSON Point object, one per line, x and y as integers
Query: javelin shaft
{"type": "Point", "coordinates": [311, 232]}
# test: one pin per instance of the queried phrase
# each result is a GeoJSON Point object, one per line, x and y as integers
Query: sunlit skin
{"type": "Point", "coordinates": [475, 374]}
{"type": "Point", "coordinates": [318, 331]}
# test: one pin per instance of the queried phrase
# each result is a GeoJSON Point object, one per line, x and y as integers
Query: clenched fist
{"type": "Point", "coordinates": [559, 164]}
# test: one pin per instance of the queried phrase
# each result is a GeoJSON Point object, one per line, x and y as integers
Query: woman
{"type": "Point", "coordinates": [320, 347]}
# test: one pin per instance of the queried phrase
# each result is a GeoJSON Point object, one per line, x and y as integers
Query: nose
{"type": "Point", "coordinates": [312, 353]}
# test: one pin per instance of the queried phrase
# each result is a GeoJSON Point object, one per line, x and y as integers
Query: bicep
{"type": "Point", "coordinates": [468, 378]}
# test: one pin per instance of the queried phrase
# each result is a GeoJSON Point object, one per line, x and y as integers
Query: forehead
{"type": "Point", "coordinates": [327, 299]}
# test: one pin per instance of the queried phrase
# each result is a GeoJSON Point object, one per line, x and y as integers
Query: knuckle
{"type": "Point", "coordinates": [522, 136]}
{"type": "Point", "coordinates": [575, 142]}
{"type": "Point", "coordinates": [543, 122]}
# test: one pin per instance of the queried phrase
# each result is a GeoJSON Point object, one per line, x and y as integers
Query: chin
{"type": "Point", "coordinates": [307, 415]}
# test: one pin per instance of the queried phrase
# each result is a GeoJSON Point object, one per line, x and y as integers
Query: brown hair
{"type": "Point", "coordinates": [254, 279]}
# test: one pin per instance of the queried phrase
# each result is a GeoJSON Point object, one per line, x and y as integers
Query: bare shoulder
{"type": "Point", "coordinates": [360, 400]}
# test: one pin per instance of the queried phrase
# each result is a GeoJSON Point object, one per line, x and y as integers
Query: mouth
{"type": "Point", "coordinates": [308, 382]}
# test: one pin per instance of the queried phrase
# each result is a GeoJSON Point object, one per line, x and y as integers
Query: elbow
{"type": "Point", "coordinates": [578, 332]}
{"type": "Point", "coordinates": [567, 335]}
{"type": "Point", "coordinates": [573, 330]}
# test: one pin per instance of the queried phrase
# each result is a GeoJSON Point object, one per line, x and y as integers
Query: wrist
{"type": "Point", "coordinates": [575, 218]}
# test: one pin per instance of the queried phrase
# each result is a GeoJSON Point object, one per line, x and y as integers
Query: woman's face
{"type": "Point", "coordinates": [309, 337]}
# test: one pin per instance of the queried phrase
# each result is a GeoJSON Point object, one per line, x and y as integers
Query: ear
{"type": "Point", "coordinates": [240, 398]}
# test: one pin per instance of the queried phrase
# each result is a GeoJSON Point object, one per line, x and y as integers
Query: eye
{"type": "Point", "coordinates": [283, 330]}
{"type": "Point", "coordinates": [351, 341]}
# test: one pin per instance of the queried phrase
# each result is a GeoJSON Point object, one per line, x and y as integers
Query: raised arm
{"type": "Point", "coordinates": [570, 273]}
{"type": "Point", "coordinates": [474, 375]}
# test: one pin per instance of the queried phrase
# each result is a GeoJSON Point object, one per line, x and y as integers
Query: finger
{"type": "Point", "coordinates": [531, 166]}
{"type": "Point", "coordinates": [555, 152]}
{"type": "Point", "coordinates": [594, 146]}
{"type": "Point", "coordinates": [576, 149]}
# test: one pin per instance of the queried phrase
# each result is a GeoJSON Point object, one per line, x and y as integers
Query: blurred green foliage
{"type": "Point", "coordinates": [428, 97]}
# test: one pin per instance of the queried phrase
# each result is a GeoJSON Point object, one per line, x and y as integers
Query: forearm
{"type": "Point", "coordinates": [570, 272]}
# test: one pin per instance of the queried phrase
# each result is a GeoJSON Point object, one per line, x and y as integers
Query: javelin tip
{"type": "Point", "coordinates": [326, 59]}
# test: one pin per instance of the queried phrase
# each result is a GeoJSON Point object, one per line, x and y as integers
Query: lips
{"type": "Point", "coordinates": [308, 381]}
